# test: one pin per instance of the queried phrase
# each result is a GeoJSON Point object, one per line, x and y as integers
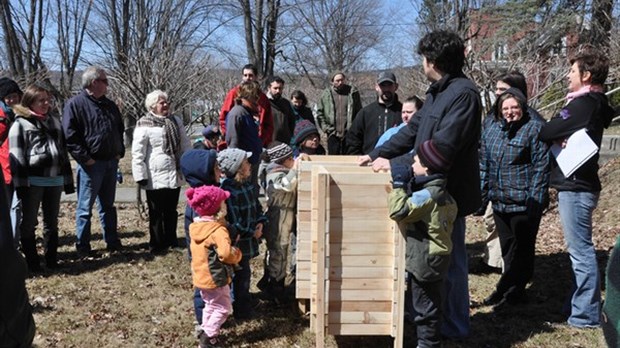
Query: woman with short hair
{"type": "Point", "coordinates": [587, 107]}
{"type": "Point", "coordinates": [159, 140]}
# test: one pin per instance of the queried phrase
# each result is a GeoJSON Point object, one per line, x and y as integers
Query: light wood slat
{"type": "Point", "coordinates": [338, 249]}
{"type": "Point", "coordinates": [363, 261]}
{"type": "Point", "coordinates": [361, 237]}
{"type": "Point", "coordinates": [361, 295]}
{"type": "Point", "coordinates": [357, 329]}
{"type": "Point", "coordinates": [320, 207]}
{"type": "Point", "coordinates": [337, 273]}
{"type": "Point", "coordinates": [362, 284]}
{"type": "Point", "coordinates": [353, 306]}
{"type": "Point", "coordinates": [360, 318]}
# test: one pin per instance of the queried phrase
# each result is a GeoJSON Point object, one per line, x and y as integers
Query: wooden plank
{"type": "Point", "coordinates": [364, 261]}
{"type": "Point", "coordinates": [357, 306]}
{"type": "Point", "coordinates": [360, 273]}
{"type": "Point", "coordinates": [320, 199]}
{"type": "Point", "coordinates": [361, 237]}
{"type": "Point", "coordinates": [341, 249]}
{"type": "Point", "coordinates": [398, 310]}
{"type": "Point", "coordinates": [361, 295]}
{"type": "Point", "coordinates": [357, 329]}
{"type": "Point", "coordinates": [361, 284]}
{"type": "Point", "coordinates": [360, 318]}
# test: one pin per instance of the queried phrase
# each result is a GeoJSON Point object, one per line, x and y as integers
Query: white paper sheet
{"type": "Point", "coordinates": [579, 148]}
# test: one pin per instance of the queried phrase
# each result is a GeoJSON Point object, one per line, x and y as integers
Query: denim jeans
{"type": "Point", "coordinates": [16, 215]}
{"type": "Point", "coordinates": [455, 319]}
{"type": "Point", "coordinates": [96, 182]}
{"type": "Point", "coordinates": [576, 210]}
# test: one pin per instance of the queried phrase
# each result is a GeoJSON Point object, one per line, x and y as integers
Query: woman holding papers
{"type": "Point", "coordinates": [578, 192]}
{"type": "Point", "coordinates": [514, 168]}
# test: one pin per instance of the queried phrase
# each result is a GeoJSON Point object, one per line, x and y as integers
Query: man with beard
{"type": "Point", "coordinates": [282, 111]}
{"type": "Point", "coordinates": [263, 115]}
{"type": "Point", "coordinates": [335, 112]}
{"type": "Point", "coordinates": [376, 118]}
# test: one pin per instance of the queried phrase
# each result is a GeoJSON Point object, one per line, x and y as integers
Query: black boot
{"type": "Point", "coordinates": [29, 247]}
{"type": "Point", "coordinates": [51, 251]}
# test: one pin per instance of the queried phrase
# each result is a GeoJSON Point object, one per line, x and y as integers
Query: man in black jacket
{"type": "Point", "coordinates": [94, 129]}
{"type": "Point", "coordinates": [375, 118]}
{"type": "Point", "coordinates": [451, 118]}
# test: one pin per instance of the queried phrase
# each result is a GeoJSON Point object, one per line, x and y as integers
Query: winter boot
{"type": "Point", "coordinates": [29, 247]}
{"type": "Point", "coordinates": [51, 252]}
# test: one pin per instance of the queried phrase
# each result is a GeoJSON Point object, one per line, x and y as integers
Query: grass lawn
{"type": "Point", "coordinates": [134, 299]}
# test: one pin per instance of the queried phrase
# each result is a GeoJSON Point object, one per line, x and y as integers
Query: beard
{"type": "Point", "coordinates": [387, 97]}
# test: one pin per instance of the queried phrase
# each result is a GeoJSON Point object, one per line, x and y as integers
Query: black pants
{"type": "Point", "coordinates": [336, 145]}
{"type": "Point", "coordinates": [517, 235]}
{"type": "Point", "coordinates": [163, 217]}
{"type": "Point", "coordinates": [426, 298]}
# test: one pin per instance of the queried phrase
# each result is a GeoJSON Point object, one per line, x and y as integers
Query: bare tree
{"type": "Point", "coordinates": [332, 35]}
{"type": "Point", "coordinates": [260, 23]}
{"type": "Point", "coordinates": [151, 45]}
{"type": "Point", "coordinates": [23, 24]}
{"type": "Point", "coordinates": [72, 20]}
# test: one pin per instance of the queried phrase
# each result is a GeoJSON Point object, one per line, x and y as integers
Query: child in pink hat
{"type": "Point", "coordinates": [212, 258]}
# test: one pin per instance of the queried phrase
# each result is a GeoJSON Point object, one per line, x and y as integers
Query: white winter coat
{"type": "Point", "coordinates": [150, 162]}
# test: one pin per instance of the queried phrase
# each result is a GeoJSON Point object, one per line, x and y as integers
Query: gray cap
{"type": "Point", "coordinates": [386, 76]}
{"type": "Point", "coordinates": [230, 160]}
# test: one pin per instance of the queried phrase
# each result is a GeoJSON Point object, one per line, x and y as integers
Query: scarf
{"type": "Point", "coordinates": [583, 91]}
{"type": "Point", "coordinates": [172, 138]}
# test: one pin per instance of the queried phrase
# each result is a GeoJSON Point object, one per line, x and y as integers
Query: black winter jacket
{"type": "Point", "coordinates": [590, 111]}
{"type": "Point", "coordinates": [370, 123]}
{"type": "Point", "coordinates": [450, 116]}
{"type": "Point", "coordinates": [93, 128]}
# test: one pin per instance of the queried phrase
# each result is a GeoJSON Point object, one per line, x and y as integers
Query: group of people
{"type": "Point", "coordinates": [505, 162]}
{"type": "Point", "coordinates": [445, 164]}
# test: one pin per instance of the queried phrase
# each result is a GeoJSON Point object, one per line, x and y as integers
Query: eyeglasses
{"type": "Point", "coordinates": [103, 80]}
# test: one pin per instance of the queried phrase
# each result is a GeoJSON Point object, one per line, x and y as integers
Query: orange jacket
{"type": "Point", "coordinates": [209, 273]}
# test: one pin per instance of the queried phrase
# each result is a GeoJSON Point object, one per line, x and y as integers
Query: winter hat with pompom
{"type": "Point", "coordinates": [206, 200]}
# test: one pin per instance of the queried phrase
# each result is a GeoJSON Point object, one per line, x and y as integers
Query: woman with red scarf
{"type": "Point", "coordinates": [40, 168]}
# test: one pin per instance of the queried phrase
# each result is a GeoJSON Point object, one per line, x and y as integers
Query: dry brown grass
{"type": "Point", "coordinates": [133, 299]}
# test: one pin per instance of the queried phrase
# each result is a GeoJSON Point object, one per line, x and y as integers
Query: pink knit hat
{"type": "Point", "coordinates": [206, 200]}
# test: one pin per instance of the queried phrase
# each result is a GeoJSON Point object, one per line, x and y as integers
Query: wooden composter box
{"type": "Point", "coordinates": [350, 255]}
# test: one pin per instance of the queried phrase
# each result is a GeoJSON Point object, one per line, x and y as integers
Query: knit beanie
{"type": "Point", "coordinates": [210, 131]}
{"type": "Point", "coordinates": [303, 129]}
{"type": "Point", "coordinates": [230, 160]}
{"type": "Point", "coordinates": [206, 200]}
{"type": "Point", "coordinates": [198, 166]}
{"type": "Point", "coordinates": [279, 152]}
{"type": "Point", "coordinates": [431, 158]}
{"type": "Point", "coordinates": [8, 86]}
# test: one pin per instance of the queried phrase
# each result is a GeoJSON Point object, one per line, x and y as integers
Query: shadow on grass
{"type": "Point", "coordinates": [69, 239]}
{"type": "Point", "coordinates": [546, 311]}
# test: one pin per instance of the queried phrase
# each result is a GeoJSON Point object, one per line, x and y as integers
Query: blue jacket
{"type": "Point", "coordinates": [242, 132]}
{"type": "Point", "coordinates": [451, 117]}
{"type": "Point", "coordinates": [93, 128]}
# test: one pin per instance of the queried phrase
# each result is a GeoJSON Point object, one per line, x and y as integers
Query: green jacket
{"type": "Point", "coordinates": [325, 112]}
{"type": "Point", "coordinates": [426, 219]}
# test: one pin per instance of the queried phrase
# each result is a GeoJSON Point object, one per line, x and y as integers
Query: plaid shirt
{"type": "Point", "coordinates": [244, 213]}
{"type": "Point", "coordinates": [514, 165]}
